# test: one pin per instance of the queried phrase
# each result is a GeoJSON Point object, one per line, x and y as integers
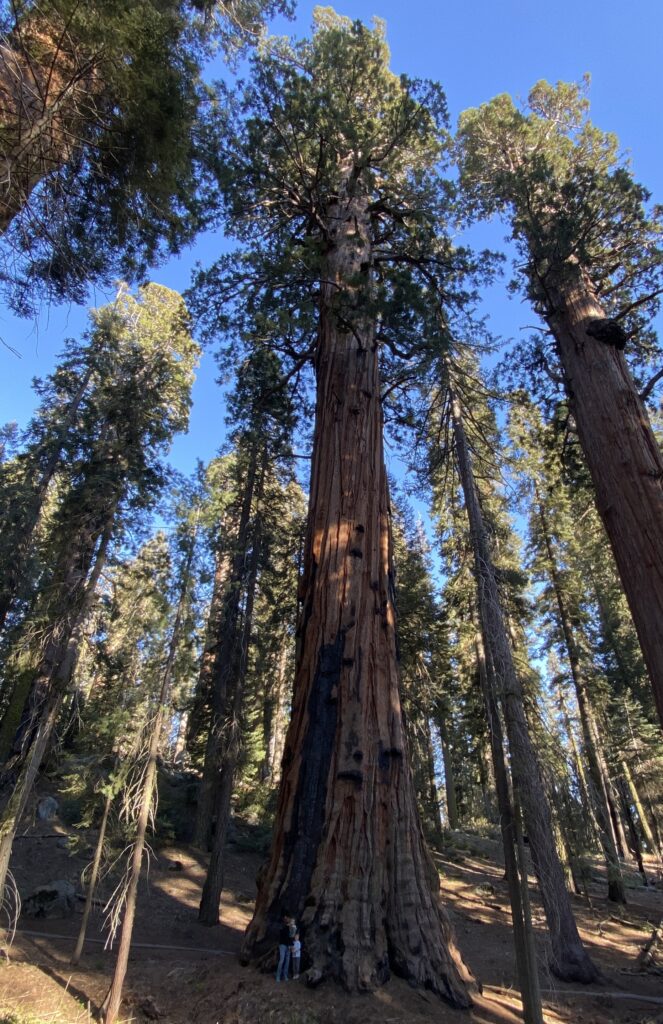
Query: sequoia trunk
{"type": "Point", "coordinates": [623, 457]}
{"type": "Point", "coordinates": [348, 856]}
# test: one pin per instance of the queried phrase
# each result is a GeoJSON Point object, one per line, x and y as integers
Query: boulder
{"type": "Point", "coordinates": [55, 900]}
{"type": "Point", "coordinates": [47, 808]}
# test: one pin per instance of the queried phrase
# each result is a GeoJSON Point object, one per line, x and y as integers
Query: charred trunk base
{"type": "Point", "coordinates": [574, 965]}
{"type": "Point", "coordinates": [370, 917]}
{"type": "Point", "coordinates": [616, 892]}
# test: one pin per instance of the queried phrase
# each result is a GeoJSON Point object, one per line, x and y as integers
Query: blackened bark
{"type": "Point", "coordinates": [348, 856]}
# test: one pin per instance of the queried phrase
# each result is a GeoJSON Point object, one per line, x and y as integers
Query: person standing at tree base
{"type": "Point", "coordinates": [296, 954]}
{"type": "Point", "coordinates": [285, 941]}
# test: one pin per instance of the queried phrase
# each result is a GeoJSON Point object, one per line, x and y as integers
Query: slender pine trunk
{"type": "Point", "coordinates": [92, 884]}
{"type": "Point", "coordinates": [569, 960]}
{"type": "Point", "coordinates": [229, 751]}
{"type": "Point", "coordinates": [200, 707]}
{"type": "Point", "coordinates": [635, 845]}
{"type": "Point", "coordinates": [274, 716]}
{"type": "Point", "coordinates": [53, 677]}
{"type": "Point", "coordinates": [225, 662]}
{"type": "Point", "coordinates": [600, 791]}
{"type": "Point", "coordinates": [111, 1005]}
{"type": "Point", "coordinates": [449, 775]}
{"type": "Point", "coordinates": [433, 800]}
{"type": "Point", "coordinates": [643, 818]}
{"type": "Point", "coordinates": [514, 857]}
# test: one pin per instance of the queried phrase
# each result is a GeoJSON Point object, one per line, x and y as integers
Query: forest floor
{"type": "Point", "coordinates": [182, 972]}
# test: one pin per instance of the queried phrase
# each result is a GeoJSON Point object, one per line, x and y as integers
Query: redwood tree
{"type": "Point", "coordinates": [593, 266]}
{"type": "Point", "coordinates": [332, 186]}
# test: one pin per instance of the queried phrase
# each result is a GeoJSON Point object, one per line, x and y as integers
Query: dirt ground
{"type": "Point", "coordinates": [182, 972]}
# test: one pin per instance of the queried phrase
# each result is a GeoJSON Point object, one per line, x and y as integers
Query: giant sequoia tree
{"type": "Point", "coordinates": [593, 266]}
{"type": "Point", "coordinates": [334, 192]}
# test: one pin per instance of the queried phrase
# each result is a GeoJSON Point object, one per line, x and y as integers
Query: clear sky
{"type": "Point", "coordinates": [476, 49]}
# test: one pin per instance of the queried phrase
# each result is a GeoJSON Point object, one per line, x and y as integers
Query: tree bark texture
{"type": "Point", "coordinates": [348, 857]}
{"type": "Point", "coordinates": [230, 746]}
{"type": "Point", "coordinates": [47, 93]}
{"type": "Point", "coordinates": [225, 661]}
{"type": "Point", "coordinates": [514, 859]}
{"type": "Point", "coordinates": [623, 457]}
{"type": "Point", "coordinates": [598, 770]}
{"type": "Point", "coordinates": [49, 687]}
{"type": "Point", "coordinates": [113, 999]}
{"type": "Point", "coordinates": [569, 960]}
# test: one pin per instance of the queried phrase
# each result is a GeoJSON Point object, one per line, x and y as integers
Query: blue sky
{"type": "Point", "coordinates": [476, 49]}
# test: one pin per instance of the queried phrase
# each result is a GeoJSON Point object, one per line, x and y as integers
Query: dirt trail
{"type": "Point", "coordinates": [188, 974]}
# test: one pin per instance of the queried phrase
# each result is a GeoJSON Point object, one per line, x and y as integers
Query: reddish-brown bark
{"type": "Point", "coordinates": [623, 457]}
{"type": "Point", "coordinates": [348, 856]}
{"type": "Point", "coordinates": [47, 91]}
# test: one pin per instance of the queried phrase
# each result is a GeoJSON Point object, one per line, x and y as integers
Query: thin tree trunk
{"type": "Point", "coordinates": [433, 798]}
{"type": "Point", "coordinates": [22, 538]}
{"type": "Point", "coordinates": [615, 806]}
{"type": "Point", "coordinates": [632, 830]}
{"type": "Point", "coordinates": [113, 999]}
{"type": "Point", "coordinates": [274, 718]}
{"type": "Point", "coordinates": [49, 688]}
{"type": "Point", "coordinates": [449, 775]}
{"type": "Point", "coordinates": [224, 662]}
{"type": "Point", "coordinates": [622, 454]}
{"type": "Point", "coordinates": [199, 713]}
{"type": "Point", "coordinates": [595, 758]}
{"type": "Point", "coordinates": [230, 746]}
{"type": "Point", "coordinates": [514, 858]}
{"type": "Point", "coordinates": [348, 856]}
{"type": "Point", "coordinates": [642, 814]}
{"type": "Point", "coordinates": [92, 884]}
{"type": "Point", "coordinates": [569, 959]}
{"type": "Point", "coordinates": [581, 775]}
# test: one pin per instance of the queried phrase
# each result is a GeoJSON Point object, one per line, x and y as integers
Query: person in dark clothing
{"type": "Point", "coordinates": [288, 929]}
